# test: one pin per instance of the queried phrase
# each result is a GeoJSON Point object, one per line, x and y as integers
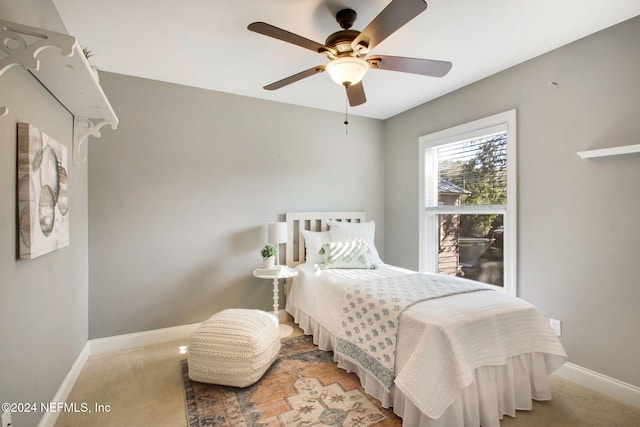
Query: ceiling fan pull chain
{"type": "Point", "coordinates": [346, 115]}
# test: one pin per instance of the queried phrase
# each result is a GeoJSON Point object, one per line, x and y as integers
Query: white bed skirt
{"type": "Point", "coordinates": [495, 391]}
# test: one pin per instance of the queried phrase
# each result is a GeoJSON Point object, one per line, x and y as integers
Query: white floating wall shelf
{"type": "Point", "coordinates": [606, 152]}
{"type": "Point", "coordinates": [58, 62]}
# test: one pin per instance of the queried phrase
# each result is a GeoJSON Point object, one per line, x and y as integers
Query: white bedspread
{"type": "Point", "coordinates": [371, 312]}
{"type": "Point", "coordinates": [441, 342]}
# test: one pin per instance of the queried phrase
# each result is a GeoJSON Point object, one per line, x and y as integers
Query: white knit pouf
{"type": "Point", "coordinates": [234, 347]}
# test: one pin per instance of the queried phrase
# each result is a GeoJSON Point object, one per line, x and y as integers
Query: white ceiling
{"type": "Point", "coordinates": [206, 44]}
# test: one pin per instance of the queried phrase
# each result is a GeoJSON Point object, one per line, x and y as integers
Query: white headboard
{"type": "Point", "coordinates": [313, 221]}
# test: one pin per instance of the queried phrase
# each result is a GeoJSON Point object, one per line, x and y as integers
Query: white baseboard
{"type": "Point", "coordinates": [49, 418]}
{"type": "Point", "coordinates": [619, 390]}
{"type": "Point", "coordinates": [139, 339]}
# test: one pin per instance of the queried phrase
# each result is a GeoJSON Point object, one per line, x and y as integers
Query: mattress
{"type": "Point", "coordinates": [465, 359]}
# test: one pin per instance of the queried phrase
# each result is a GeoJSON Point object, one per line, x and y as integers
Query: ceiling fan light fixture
{"type": "Point", "coordinates": [347, 71]}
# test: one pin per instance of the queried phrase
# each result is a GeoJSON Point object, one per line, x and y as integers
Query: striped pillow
{"type": "Point", "coordinates": [352, 254]}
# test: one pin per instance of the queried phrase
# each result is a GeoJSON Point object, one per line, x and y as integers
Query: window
{"type": "Point", "coordinates": [468, 201]}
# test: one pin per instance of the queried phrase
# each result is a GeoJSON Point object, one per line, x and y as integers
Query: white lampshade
{"type": "Point", "coordinates": [277, 232]}
{"type": "Point", "coordinates": [347, 70]}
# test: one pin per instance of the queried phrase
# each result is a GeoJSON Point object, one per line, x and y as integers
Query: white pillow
{"type": "Point", "coordinates": [346, 231]}
{"type": "Point", "coordinates": [313, 241]}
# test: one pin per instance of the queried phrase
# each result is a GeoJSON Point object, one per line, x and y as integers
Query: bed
{"type": "Point", "coordinates": [463, 358]}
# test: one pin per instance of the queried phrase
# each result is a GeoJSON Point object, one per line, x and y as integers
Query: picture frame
{"type": "Point", "coordinates": [43, 193]}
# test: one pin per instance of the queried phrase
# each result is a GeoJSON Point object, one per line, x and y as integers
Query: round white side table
{"type": "Point", "coordinates": [285, 330]}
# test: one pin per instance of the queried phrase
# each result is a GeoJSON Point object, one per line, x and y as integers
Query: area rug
{"type": "Point", "coordinates": [304, 387]}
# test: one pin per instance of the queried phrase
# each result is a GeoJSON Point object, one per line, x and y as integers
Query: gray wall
{"type": "Point", "coordinates": [43, 302]}
{"type": "Point", "coordinates": [181, 193]}
{"type": "Point", "coordinates": [578, 233]}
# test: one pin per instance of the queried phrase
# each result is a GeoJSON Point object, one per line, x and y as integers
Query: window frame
{"type": "Point", "coordinates": [428, 225]}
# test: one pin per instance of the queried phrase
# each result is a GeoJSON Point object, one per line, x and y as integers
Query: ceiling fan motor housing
{"type": "Point", "coordinates": [340, 41]}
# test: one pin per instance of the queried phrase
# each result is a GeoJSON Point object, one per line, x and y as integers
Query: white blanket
{"type": "Point", "coordinates": [371, 313]}
{"type": "Point", "coordinates": [440, 342]}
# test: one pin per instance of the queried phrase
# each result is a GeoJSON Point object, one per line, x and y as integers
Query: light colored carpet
{"type": "Point", "coordinates": [575, 406]}
{"type": "Point", "coordinates": [143, 386]}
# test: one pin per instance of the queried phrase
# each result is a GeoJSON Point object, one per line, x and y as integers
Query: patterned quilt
{"type": "Point", "coordinates": [371, 312]}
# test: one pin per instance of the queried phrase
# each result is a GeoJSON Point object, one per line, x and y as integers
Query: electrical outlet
{"type": "Point", "coordinates": [6, 419]}
{"type": "Point", "coordinates": [556, 325]}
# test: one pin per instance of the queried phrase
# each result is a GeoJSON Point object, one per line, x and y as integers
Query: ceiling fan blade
{"type": "Point", "coordinates": [394, 16]}
{"type": "Point", "coordinates": [356, 95]}
{"type": "Point", "coordinates": [425, 67]}
{"type": "Point", "coordinates": [284, 35]}
{"type": "Point", "coordinates": [294, 78]}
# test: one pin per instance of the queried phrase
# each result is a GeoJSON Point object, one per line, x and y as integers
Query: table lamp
{"type": "Point", "coordinates": [277, 234]}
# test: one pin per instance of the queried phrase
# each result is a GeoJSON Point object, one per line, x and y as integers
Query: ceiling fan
{"type": "Point", "coordinates": [347, 49]}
